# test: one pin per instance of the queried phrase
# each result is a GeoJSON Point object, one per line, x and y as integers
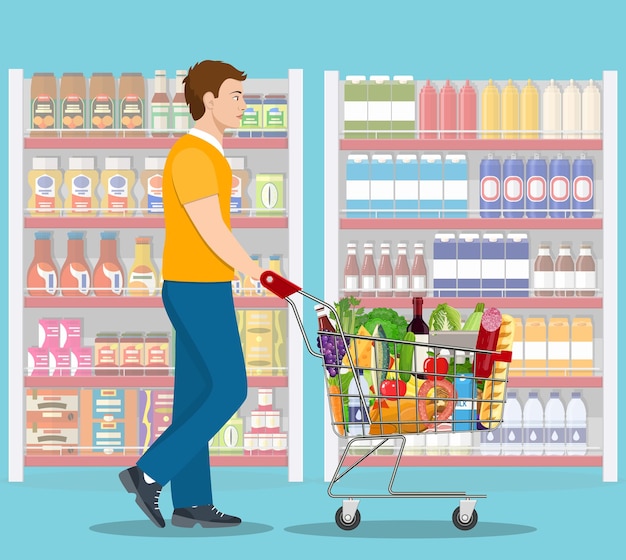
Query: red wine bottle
{"type": "Point", "coordinates": [420, 328]}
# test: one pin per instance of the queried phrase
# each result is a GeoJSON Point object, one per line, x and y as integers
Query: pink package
{"type": "Point", "coordinates": [38, 362]}
{"type": "Point", "coordinates": [59, 362]}
{"type": "Point", "coordinates": [81, 362]}
{"type": "Point", "coordinates": [70, 335]}
{"type": "Point", "coordinates": [49, 330]}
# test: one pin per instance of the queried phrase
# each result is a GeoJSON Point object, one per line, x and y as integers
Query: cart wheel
{"type": "Point", "coordinates": [345, 524]}
{"type": "Point", "coordinates": [464, 525]}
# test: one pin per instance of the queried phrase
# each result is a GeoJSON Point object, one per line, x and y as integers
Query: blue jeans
{"type": "Point", "coordinates": [210, 385]}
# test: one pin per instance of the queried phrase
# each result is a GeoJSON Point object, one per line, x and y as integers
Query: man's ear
{"type": "Point", "coordinates": [208, 99]}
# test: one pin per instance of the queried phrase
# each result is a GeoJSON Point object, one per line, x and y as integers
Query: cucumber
{"type": "Point", "coordinates": [381, 351]}
{"type": "Point", "coordinates": [473, 321]}
{"type": "Point", "coordinates": [406, 357]}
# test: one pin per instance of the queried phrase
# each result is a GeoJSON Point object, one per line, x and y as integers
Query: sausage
{"type": "Point", "coordinates": [487, 340]}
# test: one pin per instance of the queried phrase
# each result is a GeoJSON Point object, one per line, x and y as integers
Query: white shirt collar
{"type": "Point", "coordinates": [207, 138]}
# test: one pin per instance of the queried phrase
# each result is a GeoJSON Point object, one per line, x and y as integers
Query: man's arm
{"type": "Point", "coordinates": [207, 218]}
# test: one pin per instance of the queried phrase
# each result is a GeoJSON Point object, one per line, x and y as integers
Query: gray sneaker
{"type": "Point", "coordinates": [206, 516]}
{"type": "Point", "coordinates": [147, 494]}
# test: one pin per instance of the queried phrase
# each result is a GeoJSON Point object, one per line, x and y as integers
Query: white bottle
{"type": "Point", "coordinates": [551, 111]}
{"type": "Point", "coordinates": [571, 111]}
{"type": "Point", "coordinates": [533, 434]}
{"type": "Point", "coordinates": [576, 426]}
{"type": "Point", "coordinates": [491, 441]}
{"type": "Point", "coordinates": [554, 421]}
{"type": "Point", "coordinates": [512, 425]}
{"type": "Point", "coordinates": [357, 414]}
{"type": "Point", "coordinates": [591, 111]}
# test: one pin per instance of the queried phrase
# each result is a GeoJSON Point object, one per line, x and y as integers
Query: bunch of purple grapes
{"type": "Point", "coordinates": [334, 350]}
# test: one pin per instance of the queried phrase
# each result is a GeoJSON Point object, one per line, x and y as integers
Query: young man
{"type": "Point", "coordinates": [199, 258]}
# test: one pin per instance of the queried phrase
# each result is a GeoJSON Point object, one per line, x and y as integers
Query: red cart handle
{"type": "Point", "coordinates": [278, 285]}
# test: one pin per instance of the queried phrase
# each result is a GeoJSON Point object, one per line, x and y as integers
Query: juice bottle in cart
{"type": "Point", "coordinates": [351, 273]}
{"type": "Point", "coordinates": [45, 180]}
{"type": "Point", "coordinates": [142, 279]}
{"type": "Point", "coordinates": [42, 276]}
{"type": "Point", "coordinates": [76, 272]}
{"type": "Point", "coordinates": [108, 276]}
{"type": "Point", "coordinates": [529, 111]}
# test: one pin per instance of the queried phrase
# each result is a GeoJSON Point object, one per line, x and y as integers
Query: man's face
{"type": "Point", "coordinates": [229, 105]}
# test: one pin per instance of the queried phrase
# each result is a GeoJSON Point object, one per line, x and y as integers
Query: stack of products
{"type": "Point", "coordinates": [263, 339]}
{"type": "Point", "coordinates": [265, 437]}
{"type": "Point", "coordinates": [155, 415]}
{"type": "Point", "coordinates": [51, 421]}
{"type": "Point", "coordinates": [265, 116]}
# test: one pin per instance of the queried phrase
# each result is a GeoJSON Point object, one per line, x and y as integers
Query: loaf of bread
{"type": "Point", "coordinates": [494, 392]}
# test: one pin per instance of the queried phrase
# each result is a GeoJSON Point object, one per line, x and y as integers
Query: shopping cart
{"type": "Point", "coordinates": [401, 401]}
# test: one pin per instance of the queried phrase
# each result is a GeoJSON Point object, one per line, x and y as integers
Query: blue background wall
{"type": "Point", "coordinates": [436, 40]}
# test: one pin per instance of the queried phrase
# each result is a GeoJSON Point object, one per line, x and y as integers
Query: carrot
{"type": "Point", "coordinates": [336, 406]}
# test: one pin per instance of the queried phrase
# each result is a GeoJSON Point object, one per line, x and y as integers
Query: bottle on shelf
{"type": "Point", "coordinates": [591, 111]}
{"type": "Point", "coordinates": [142, 278]}
{"type": "Point", "coordinates": [102, 104]}
{"type": "Point", "coordinates": [419, 276]}
{"type": "Point", "coordinates": [564, 273]}
{"type": "Point", "coordinates": [419, 327]}
{"type": "Point", "coordinates": [585, 273]}
{"type": "Point", "coordinates": [131, 97]}
{"type": "Point", "coordinates": [448, 111]}
{"type": "Point", "coordinates": [510, 111]}
{"type": "Point", "coordinates": [402, 273]}
{"type": "Point", "coordinates": [118, 180]}
{"type": "Point", "coordinates": [81, 178]}
{"type": "Point", "coordinates": [108, 276]}
{"type": "Point", "coordinates": [368, 272]}
{"type": "Point", "coordinates": [554, 418]}
{"type": "Point", "coordinates": [43, 98]}
{"type": "Point", "coordinates": [512, 425]}
{"type": "Point", "coordinates": [351, 273]}
{"type": "Point", "coordinates": [490, 111]}
{"type": "Point", "coordinates": [42, 278]}
{"type": "Point", "coordinates": [572, 112]}
{"type": "Point", "coordinates": [529, 111]}
{"type": "Point", "coordinates": [551, 111]}
{"type": "Point", "coordinates": [543, 273]}
{"type": "Point", "coordinates": [385, 272]}
{"type": "Point", "coordinates": [533, 432]}
{"type": "Point", "coordinates": [45, 180]}
{"type": "Point", "coordinates": [152, 183]}
{"type": "Point", "coordinates": [428, 112]}
{"type": "Point", "coordinates": [181, 118]}
{"type": "Point", "coordinates": [576, 426]}
{"type": "Point", "coordinates": [160, 106]}
{"type": "Point", "coordinates": [76, 272]}
{"type": "Point", "coordinates": [73, 98]}
{"type": "Point", "coordinates": [467, 111]}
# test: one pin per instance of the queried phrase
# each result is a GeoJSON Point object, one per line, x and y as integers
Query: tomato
{"type": "Point", "coordinates": [391, 389]}
{"type": "Point", "coordinates": [441, 366]}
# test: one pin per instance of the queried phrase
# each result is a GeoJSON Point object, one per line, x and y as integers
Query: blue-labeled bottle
{"type": "Point", "coordinates": [490, 187]}
{"type": "Point", "coordinates": [560, 192]}
{"type": "Point", "coordinates": [536, 187]}
{"type": "Point", "coordinates": [513, 187]}
{"type": "Point", "coordinates": [582, 187]}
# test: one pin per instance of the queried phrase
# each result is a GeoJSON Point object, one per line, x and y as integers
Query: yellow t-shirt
{"type": "Point", "coordinates": [194, 169]}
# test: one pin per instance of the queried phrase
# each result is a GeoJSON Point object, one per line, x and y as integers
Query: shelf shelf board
{"type": "Point", "coordinates": [499, 302]}
{"type": "Point", "coordinates": [129, 460]}
{"type": "Point", "coordinates": [479, 461]}
{"type": "Point", "coordinates": [532, 382]}
{"type": "Point", "coordinates": [471, 144]}
{"type": "Point", "coordinates": [503, 224]}
{"type": "Point", "coordinates": [61, 302]}
{"type": "Point", "coordinates": [144, 143]}
{"type": "Point", "coordinates": [136, 382]}
{"type": "Point", "coordinates": [142, 222]}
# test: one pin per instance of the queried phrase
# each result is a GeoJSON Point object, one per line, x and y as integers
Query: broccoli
{"type": "Point", "coordinates": [393, 324]}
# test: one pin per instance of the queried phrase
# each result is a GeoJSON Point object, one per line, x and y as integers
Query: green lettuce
{"type": "Point", "coordinates": [444, 318]}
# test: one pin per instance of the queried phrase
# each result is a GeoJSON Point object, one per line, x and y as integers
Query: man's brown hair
{"type": "Point", "coordinates": [208, 75]}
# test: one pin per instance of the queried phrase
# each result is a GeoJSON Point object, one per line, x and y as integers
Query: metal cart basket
{"type": "Point", "coordinates": [372, 401]}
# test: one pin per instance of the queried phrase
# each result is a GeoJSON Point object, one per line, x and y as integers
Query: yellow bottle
{"type": "Point", "coordinates": [45, 180]}
{"type": "Point", "coordinates": [490, 111]}
{"type": "Point", "coordinates": [551, 111]}
{"type": "Point", "coordinates": [571, 111]}
{"type": "Point", "coordinates": [510, 111]}
{"type": "Point", "coordinates": [118, 180]}
{"type": "Point", "coordinates": [142, 279]}
{"type": "Point", "coordinates": [529, 111]}
{"type": "Point", "coordinates": [81, 180]}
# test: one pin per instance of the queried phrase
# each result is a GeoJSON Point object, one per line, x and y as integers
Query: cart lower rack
{"type": "Point", "coordinates": [380, 389]}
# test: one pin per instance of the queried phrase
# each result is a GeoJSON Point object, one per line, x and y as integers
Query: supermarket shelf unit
{"type": "Point", "coordinates": [290, 228]}
{"type": "Point", "coordinates": [336, 149]}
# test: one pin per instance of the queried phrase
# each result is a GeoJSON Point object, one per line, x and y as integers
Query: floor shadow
{"type": "Point", "coordinates": [147, 529]}
{"type": "Point", "coordinates": [417, 529]}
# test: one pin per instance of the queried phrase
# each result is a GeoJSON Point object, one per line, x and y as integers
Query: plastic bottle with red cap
{"type": "Point", "coordinates": [467, 111]}
{"type": "Point", "coordinates": [448, 111]}
{"type": "Point", "coordinates": [428, 112]}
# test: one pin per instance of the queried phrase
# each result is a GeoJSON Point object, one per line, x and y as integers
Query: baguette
{"type": "Point", "coordinates": [493, 396]}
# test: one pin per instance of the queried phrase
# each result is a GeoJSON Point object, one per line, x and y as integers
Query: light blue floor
{"type": "Point", "coordinates": [530, 512]}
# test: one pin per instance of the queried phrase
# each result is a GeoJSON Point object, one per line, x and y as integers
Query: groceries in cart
{"type": "Point", "coordinates": [383, 378]}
